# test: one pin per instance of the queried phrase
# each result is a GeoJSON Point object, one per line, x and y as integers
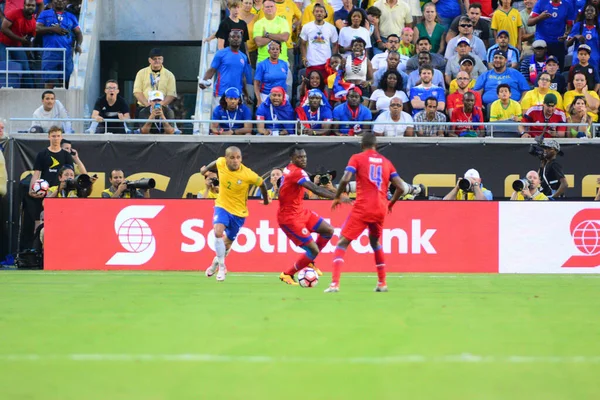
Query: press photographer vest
{"type": "Point", "coordinates": [539, 196]}
{"type": "Point", "coordinates": [72, 193]}
{"type": "Point", "coordinates": [470, 195]}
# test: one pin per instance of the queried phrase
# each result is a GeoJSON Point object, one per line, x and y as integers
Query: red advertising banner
{"type": "Point", "coordinates": [128, 234]}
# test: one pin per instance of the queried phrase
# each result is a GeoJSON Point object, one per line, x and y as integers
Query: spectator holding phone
{"type": "Point", "coordinates": [157, 115]}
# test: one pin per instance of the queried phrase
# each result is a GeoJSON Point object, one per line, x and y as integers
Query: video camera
{"type": "Point", "coordinates": [143, 184]}
{"type": "Point", "coordinates": [82, 184]}
{"type": "Point", "coordinates": [536, 149]}
{"type": "Point", "coordinates": [521, 184]}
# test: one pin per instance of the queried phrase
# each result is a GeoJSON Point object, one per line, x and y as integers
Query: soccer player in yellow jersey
{"type": "Point", "coordinates": [231, 207]}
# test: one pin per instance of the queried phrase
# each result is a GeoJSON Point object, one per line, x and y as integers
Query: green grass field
{"type": "Point", "coordinates": [182, 336]}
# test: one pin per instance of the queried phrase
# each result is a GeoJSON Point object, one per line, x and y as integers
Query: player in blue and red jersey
{"type": "Point", "coordinates": [373, 175]}
{"type": "Point", "coordinates": [296, 221]}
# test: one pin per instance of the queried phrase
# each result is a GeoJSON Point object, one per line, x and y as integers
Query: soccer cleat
{"type": "Point", "coordinates": [381, 288]}
{"type": "Point", "coordinates": [221, 274]}
{"type": "Point", "coordinates": [332, 289]}
{"type": "Point", "coordinates": [317, 270]}
{"type": "Point", "coordinates": [288, 279]}
{"type": "Point", "coordinates": [210, 271]}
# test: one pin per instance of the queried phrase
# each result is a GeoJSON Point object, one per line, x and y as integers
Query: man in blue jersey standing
{"type": "Point", "coordinates": [58, 28]}
{"type": "Point", "coordinates": [231, 67]}
{"type": "Point", "coordinates": [487, 83]}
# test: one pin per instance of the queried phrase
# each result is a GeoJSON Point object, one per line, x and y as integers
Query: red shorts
{"type": "Point", "coordinates": [298, 228]}
{"type": "Point", "coordinates": [357, 223]}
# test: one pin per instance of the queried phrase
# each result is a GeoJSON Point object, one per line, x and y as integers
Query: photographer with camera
{"type": "Point", "coordinates": [123, 189]}
{"type": "Point", "coordinates": [469, 188]}
{"type": "Point", "coordinates": [554, 182]}
{"type": "Point", "coordinates": [157, 115]}
{"type": "Point", "coordinates": [69, 185]}
{"type": "Point", "coordinates": [528, 188]}
{"type": "Point", "coordinates": [324, 179]}
{"type": "Point", "coordinates": [211, 182]}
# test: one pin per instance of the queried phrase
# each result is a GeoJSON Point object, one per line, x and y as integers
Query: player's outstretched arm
{"type": "Point", "coordinates": [210, 167]}
{"type": "Point", "coordinates": [265, 194]}
{"type": "Point", "coordinates": [319, 190]}
{"type": "Point", "coordinates": [340, 189]}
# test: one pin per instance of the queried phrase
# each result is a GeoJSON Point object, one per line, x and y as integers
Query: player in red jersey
{"type": "Point", "coordinates": [373, 174]}
{"type": "Point", "coordinates": [296, 221]}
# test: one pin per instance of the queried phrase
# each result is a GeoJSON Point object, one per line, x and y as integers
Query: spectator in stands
{"type": "Point", "coordinates": [391, 46]}
{"type": "Point", "coordinates": [528, 35]}
{"type": "Point", "coordinates": [553, 23]}
{"type": "Point", "coordinates": [289, 12]}
{"type": "Point", "coordinates": [463, 49]}
{"type": "Point", "coordinates": [585, 31]}
{"type": "Point", "coordinates": [468, 114]}
{"type": "Point", "coordinates": [231, 109]}
{"type": "Point", "coordinates": [315, 108]}
{"type": "Point", "coordinates": [430, 29]}
{"type": "Point", "coordinates": [476, 192]}
{"type": "Point", "coordinates": [111, 106]}
{"type": "Point", "coordinates": [226, 65]}
{"type": "Point", "coordinates": [533, 65]}
{"type": "Point", "coordinates": [505, 109]}
{"type": "Point", "coordinates": [406, 47]}
{"type": "Point", "coordinates": [583, 66]}
{"type": "Point", "coordinates": [487, 83]}
{"type": "Point", "coordinates": [424, 44]}
{"type": "Point", "coordinates": [581, 89]}
{"type": "Point", "coordinates": [271, 28]}
{"type": "Point", "coordinates": [414, 78]}
{"type": "Point", "coordinates": [317, 39]}
{"type": "Point", "coordinates": [394, 122]}
{"type": "Point", "coordinates": [309, 16]}
{"type": "Point", "coordinates": [314, 81]}
{"type": "Point", "coordinates": [258, 4]}
{"type": "Point", "coordinates": [577, 114]}
{"type": "Point", "coordinates": [355, 30]}
{"type": "Point", "coordinates": [393, 64]}
{"type": "Point", "coordinates": [373, 16]}
{"type": "Point", "coordinates": [430, 114]}
{"type": "Point", "coordinates": [342, 16]}
{"type": "Point", "coordinates": [359, 70]}
{"type": "Point", "coordinates": [502, 43]}
{"type": "Point", "coordinates": [249, 18]}
{"type": "Point", "coordinates": [17, 30]}
{"type": "Point", "coordinates": [118, 188]}
{"type": "Point", "coordinates": [448, 10]}
{"type": "Point", "coordinates": [390, 87]}
{"type": "Point", "coordinates": [532, 191]}
{"type": "Point", "coordinates": [8, 6]}
{"type": "Point", "coordinates": [157, 115]}
{"type": "Point", "coordinates": [466, 65]}
{"type": "Point", "coordinates": [395, 15]}
{"type": "Point", "coordinates": [47, 24]}
{"type": "Point", "coordinates": [559, 82]}
{"type": "Point", "coordinates": [455, 99]}
{"type": "Point", "coordinates": [481, 26]}
{"type": "Point", "coordinates": [276, 108]}
{"type": "Point", "coordinates": [507, 18]}
{"type": "Point", "coordinates": [270, 73]}
{"type": "Point", "coordinates": [535, 97]}
{"type": "Point", "coordinates": [353, 113]}
{"type": "Point", "coordinates": [49, 110]}
{"type": "Point", "coordinates": [465, 29]}
{"type": "Point", "coordinates": [337, 86]}
{"type": "Point", "coordinates": [154, 77]}
{"type": "Point", "coordinates": [550, 121]}
{"type": "Point", "coordinates": [233, 22]}
{"type": "Point", "coordinates": [425, 90]}
{"type": "Point", "coordinates": [274, 179]}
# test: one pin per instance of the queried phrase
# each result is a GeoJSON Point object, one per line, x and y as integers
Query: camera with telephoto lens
{"type": "Point", "coordinates": [521, 184]}
{"type": "Point", "coordinates": [143, 184]}
{"type": "Point", "coordinates": [536, 148]}
{"type": "Point", "coordinates": [324, 180]}
{"type": "Point", "coordinates": [214, 181]}
{"type": "Point", "coordinates": [465, 185]}
{"type": "Point", "coordinates": [82, 184]}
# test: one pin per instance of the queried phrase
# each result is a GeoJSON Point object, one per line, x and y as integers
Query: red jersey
{"type": "Point", "coordinates": [12, 5]}
{"type": "Point", "coordinates": [291, 192]}
{"type": "Point", "coordinates": [459, 115]}
{"type": "Point", "coordinates": [536, 114]}
{"type": "Point", "coordinates": [20, 27]}
{"type": "Point", "coordinates": [373, 173]}
{"type": "Point", "coordinates": [454, 100]}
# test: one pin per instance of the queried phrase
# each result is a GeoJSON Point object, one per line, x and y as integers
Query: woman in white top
{"type": "Point", "coordinates": [355, 29]}
{"type": "Point", "coordinates": [358, 68]}
{"type": "Point", "coordinates": [390, 86]}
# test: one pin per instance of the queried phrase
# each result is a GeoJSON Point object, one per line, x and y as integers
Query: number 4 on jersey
{"type": "Point", "coordinates": [375, 174]}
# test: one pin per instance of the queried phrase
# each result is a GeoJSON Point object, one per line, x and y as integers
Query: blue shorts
{"type": "Point", "coordinates": [232, 222]}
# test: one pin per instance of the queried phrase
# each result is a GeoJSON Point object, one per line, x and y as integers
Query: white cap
{"type": "Point", "coordinates": [155, 95]}
{"type": "Point", "coordinates": [472, 173]}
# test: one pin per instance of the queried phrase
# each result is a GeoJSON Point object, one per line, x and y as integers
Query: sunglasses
{"type": "Point", "coordinates": [466, 25]}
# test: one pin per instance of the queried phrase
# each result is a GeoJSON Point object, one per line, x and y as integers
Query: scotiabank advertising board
{"type": "Point", "coordinates": [105, 234]}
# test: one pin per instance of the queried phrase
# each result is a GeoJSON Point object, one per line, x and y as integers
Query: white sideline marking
{"type": "Point", "coordinates": [265, 275]}
{"type": "Point", "coordinates": [464, 358]}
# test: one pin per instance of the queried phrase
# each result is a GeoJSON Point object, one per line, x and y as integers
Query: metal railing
{"type": "Point", "coordinates": [85, 29]}
{"type": "Point", "coordinates": [33, 73]}
{"type": "Point", "coordinates": [16, 125]}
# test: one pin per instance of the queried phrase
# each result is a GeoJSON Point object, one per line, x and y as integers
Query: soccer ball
{"type": "Point", "coordinates": [41, 187]}
{"type": "Point", "coordinates": [308, 278]}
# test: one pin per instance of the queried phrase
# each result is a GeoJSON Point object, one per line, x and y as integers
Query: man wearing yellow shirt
{"type": "Point", "coordinates": [531, 191]}
{"type": "Point", "coordinates": [290, 13]}
{"type": "Point", "coordinates": [211, 185]}
{"type": "Point", "coordinates": [231, 208]}
{"type": "Point", "coordinates": [152, 78]}
{"type": "Point", "coordinates": [474, 190]}
{"type": "Point", "coordinates": [308, 16]}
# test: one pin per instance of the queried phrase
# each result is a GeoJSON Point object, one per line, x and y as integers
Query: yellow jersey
{"type": "Point", "coordinates": [508, 21]}
{"type": "Point", "coordinates": [535, 98]}
{"type": "Point", "coordinates": [308, 16]}
{"type": "Point", "coordinates": [211, 195]}
{"type": "Point", "coordinates": [72, 193]}
{"type": "Point", "coordinates": [289, 12]}
{"type": "Point", "coordinates": [460, 195]}
{"type": "Point", "coordinates": [499, 113]}
{"type": "Point", "coordinates": [570, 96]}
{"type": "Point", "coordinates": [538, 197]}
{"type": "Point", "coordinates": [454, 85]}
{"type": "Point", "coordinates": [234, 187]}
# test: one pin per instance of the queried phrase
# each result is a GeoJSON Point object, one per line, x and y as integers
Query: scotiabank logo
{"type": "Point", "coordinates": [135, 235]}
{"type": "Point", "coordinates": [585, 232]}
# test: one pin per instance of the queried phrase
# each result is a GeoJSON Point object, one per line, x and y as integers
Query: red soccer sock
{"type": "Point", "coordinates": [338, 262]}
{"type": "Point", "coordinates": [380, 263]}
{"type": "Point", "coordinates": [302, 263]}
{"type": "Point", "coordinates": [322, 241]}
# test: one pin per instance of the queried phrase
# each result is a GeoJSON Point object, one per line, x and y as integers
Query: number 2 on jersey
{"type": "Point", "coordinates": [375, 174]}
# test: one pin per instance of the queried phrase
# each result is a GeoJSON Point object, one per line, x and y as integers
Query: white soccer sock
{"type": "Point", "coordinates": [220, 250]}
